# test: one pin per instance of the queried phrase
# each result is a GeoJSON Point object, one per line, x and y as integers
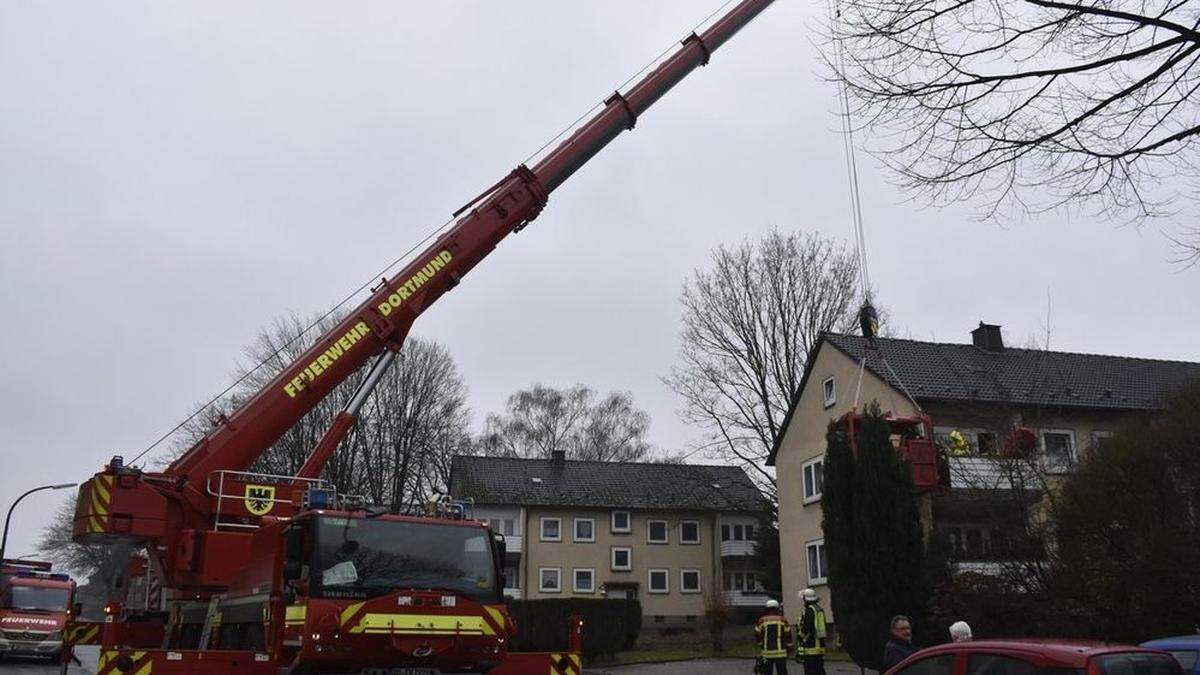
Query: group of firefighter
{"type": "Point", "coordinates": [773, 634]}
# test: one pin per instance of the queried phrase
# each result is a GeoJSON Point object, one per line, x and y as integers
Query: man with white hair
{"type": "Point", "coordinates": [811, 630]}
{"type": "Point", "coordinates": [960, 631]}
{"type": "Point", "coordinates": [773, 634]}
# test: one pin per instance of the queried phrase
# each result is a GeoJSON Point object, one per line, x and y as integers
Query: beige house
{"type": "Point", "coordinates": [975, 395]}
{"type": "Point", "coordinates": [668, 535]}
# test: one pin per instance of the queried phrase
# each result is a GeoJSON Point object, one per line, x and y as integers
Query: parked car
{"type": "Point", "coordinates": [1185, 649]}
{"type": "Point", "coordinates": [1037, 657]}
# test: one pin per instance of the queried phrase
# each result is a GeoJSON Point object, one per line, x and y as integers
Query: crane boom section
{"type": "Point", "coordinates": [199, 516]}
{"type": "Point", "coordinates": [384, 319]}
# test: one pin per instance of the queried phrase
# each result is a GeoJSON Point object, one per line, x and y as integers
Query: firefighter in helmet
{"type": "Point", "coordinates": [811, 628]}
{"type": "Point", "coordinates": [773, 634]}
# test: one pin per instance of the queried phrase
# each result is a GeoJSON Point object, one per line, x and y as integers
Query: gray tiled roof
{"type": "Point", "coordinates": [963, 372]}
{"type": "Point", "coordinates": [505, 480]}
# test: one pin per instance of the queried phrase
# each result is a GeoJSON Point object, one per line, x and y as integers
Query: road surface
{"type": "Point", "coordinates": [87, 656]}
{"type": "Point", "coordinates": [718, 667]}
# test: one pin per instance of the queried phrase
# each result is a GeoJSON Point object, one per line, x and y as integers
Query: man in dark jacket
{"type": "Point", "coordinates": [899, 646]}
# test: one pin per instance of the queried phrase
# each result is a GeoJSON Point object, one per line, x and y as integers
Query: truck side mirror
{"type": "Point", "coordinates": [76, 610]}
{"type": "Point", "coordinates": [293, 563]}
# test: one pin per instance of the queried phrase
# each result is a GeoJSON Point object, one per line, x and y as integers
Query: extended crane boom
{"type": "Point", "coordinates": [179, 509]}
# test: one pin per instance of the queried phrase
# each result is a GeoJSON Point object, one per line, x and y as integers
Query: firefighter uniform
{"type": "Point", "coordinates": [773, 634]}
{"type": "Point", "coordinates": [811, 629]}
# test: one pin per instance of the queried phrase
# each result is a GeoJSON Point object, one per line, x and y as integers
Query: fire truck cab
{"type": "Point", "coordinates": [35, 607]}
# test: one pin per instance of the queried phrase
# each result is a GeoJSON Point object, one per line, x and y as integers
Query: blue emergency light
{"type": "Point", "coordinates": [317, 498]}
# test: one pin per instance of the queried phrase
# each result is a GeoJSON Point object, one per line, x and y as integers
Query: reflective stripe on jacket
{"type": "Point", "coordinates": [773, 635]}
{"type": "Point", "coordinates": [812, 631]}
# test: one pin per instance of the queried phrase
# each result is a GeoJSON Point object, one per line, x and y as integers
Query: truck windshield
{"type": "Point", "coordinates": [39, 598]}
{"type": "Point", "coordinates": [361, 558]}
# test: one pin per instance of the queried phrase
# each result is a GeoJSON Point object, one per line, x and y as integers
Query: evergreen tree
{"type": "Point", "coordinates": [873, 538]}
{"type": "Point", "coordinates": [766, 552]}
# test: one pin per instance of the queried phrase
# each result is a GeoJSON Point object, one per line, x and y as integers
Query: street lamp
{"type": "Point", "coordinates": [4, 540]}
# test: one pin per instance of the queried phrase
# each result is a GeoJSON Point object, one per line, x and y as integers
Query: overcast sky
{"type": "Point", "coordinates": [174, 175]}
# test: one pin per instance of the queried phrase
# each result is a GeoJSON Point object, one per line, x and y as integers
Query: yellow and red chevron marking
{"type": "Point", "coordinates": [122, 662]}
{"type": "Point", "coordinates": [83, 634]}
{"type": "Point", "coordinates": [99, 500]}
{"type": "Point", "coordinates": [354, 619]}
{"type": "Point", "coordinates": [494, 617]}
{"type": "Point", "coordinates": [566, 664]}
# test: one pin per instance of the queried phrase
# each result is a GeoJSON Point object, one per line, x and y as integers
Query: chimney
{"type": "Point", "coordinates": [558, 457]}
{"type": "Point", "coordinates": [987, 337]}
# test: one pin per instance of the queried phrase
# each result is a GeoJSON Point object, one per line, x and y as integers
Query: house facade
{"type": "Point", "coordinates": [668, 535]}
{"type": "Point", "coordinates": [975, 395]}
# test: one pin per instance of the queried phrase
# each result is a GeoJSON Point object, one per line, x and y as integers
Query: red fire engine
{"type": "Point", "coordinates": [35, 609]}
{"type": "Point", "coordinates": [273, 574]}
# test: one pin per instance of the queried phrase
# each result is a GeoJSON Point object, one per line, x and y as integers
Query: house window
{"type": "Point", "coordinates": [817, 570]}
{"type": "Point", "coordinates": [585, 529]}
{"type": "Point", "coordinates": [504, 526]}
{"type": "Point", "coordinates": [585, 580]}
{"type": "Point", "coordinates": [1099, 438]}
{"type": "Point", "coordinates": [1059, 449]}
{"type": "Point", "coordinates": [689, 532]}
{"type": "Point", "coordinates": [689, 581]}
{"type": "Point", "coordinates": [739, 533]}
{"type": "Point", "coordinates": [619, 523]}
{"type": "Point", "coordinates": [814, 479]}
{"type": "Point", "coordinates": [511, 578]}
{"type": "Point", "coordinates": [656, 532]}
{"type": "Point", "coordinates": [827, 387]}
{"type": "Point", "coordinates": [550, 579]}
{"type": "Point", "coordinates": [658, 581]}
{"type": "Point", "coordinates": [741, 581]}
{"type": "Point", "coordinates": [749, 533]}
{"type": "Point", "coordinates": [724, 533]}
{"type": "Point", "coordinates": [622, 558]}
{"type": "Point", "coordinates": [551, 529]}
{"type": "Point", "coordinates": [985, 443]}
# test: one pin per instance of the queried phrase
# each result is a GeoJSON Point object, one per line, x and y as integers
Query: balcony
{"type": "Point", "coordinates": [513, 543]}
{"type": "Point", "coordinates": [736, 548]}
{"type": "Point", "coordinates": [514, 593]}
{"type": "Point", "coordinates": [744, 598]}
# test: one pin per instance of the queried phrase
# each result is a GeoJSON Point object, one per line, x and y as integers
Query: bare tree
{"type": "Point", "coordinates": [81, 560]}
{"type": "Point", "coordinates": [398, 453]}
{"type": "Point", "coordinates": [1033, 104]}
{"type": "Point", "coordinates": [543, 419]}
{"type": "Point", "coordinates": [749, 324]}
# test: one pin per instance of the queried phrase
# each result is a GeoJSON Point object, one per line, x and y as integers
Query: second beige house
{"type": "Point", "coordinates": [668, 535]}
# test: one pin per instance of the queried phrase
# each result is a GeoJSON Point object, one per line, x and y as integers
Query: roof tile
{"type": "Point", "coordinates": [508, 480]}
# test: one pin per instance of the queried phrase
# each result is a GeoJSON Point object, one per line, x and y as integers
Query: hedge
{"type": "Point", "coordinates": [609, 626]}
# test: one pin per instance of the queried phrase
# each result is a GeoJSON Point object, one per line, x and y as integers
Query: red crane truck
{"type": "Point", "coordinates": [35, 609]}
{"type": "Point", "coordinates": [275, 574]}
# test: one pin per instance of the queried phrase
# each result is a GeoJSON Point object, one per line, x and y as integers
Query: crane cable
{"type": "Point", "coordinates": [844, 115]}
{"type": "Point", "coordinates": [868, 318]}
{"type": "Point", "coordinates": [435, 232]}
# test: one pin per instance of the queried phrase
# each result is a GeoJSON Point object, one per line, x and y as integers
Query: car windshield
{"type": "Point", "coordinates": [361, 558]}
{"type": "Point", "coordinates": [39, 598]}
{"type": "Point", "coordinates": [1137, 663]}
{"type": "Point", "coordinates": [1185, 657]}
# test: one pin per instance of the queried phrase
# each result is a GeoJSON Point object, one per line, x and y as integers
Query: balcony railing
{"type": "Point", "coordinates": [513, 543]}
{"type": "Point", "coordinates": [744, 598]}
{"type": "Point", "coordinates": [736, 548]}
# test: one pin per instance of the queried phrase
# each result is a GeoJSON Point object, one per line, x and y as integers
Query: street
{"type": "Point", "coordinates": [717, 667]}
{"type": "Point", "coordinates": [87, 656]}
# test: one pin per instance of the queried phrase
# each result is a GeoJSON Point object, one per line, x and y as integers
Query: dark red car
{"type": "Point", "coordinates": [1037, 657]}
